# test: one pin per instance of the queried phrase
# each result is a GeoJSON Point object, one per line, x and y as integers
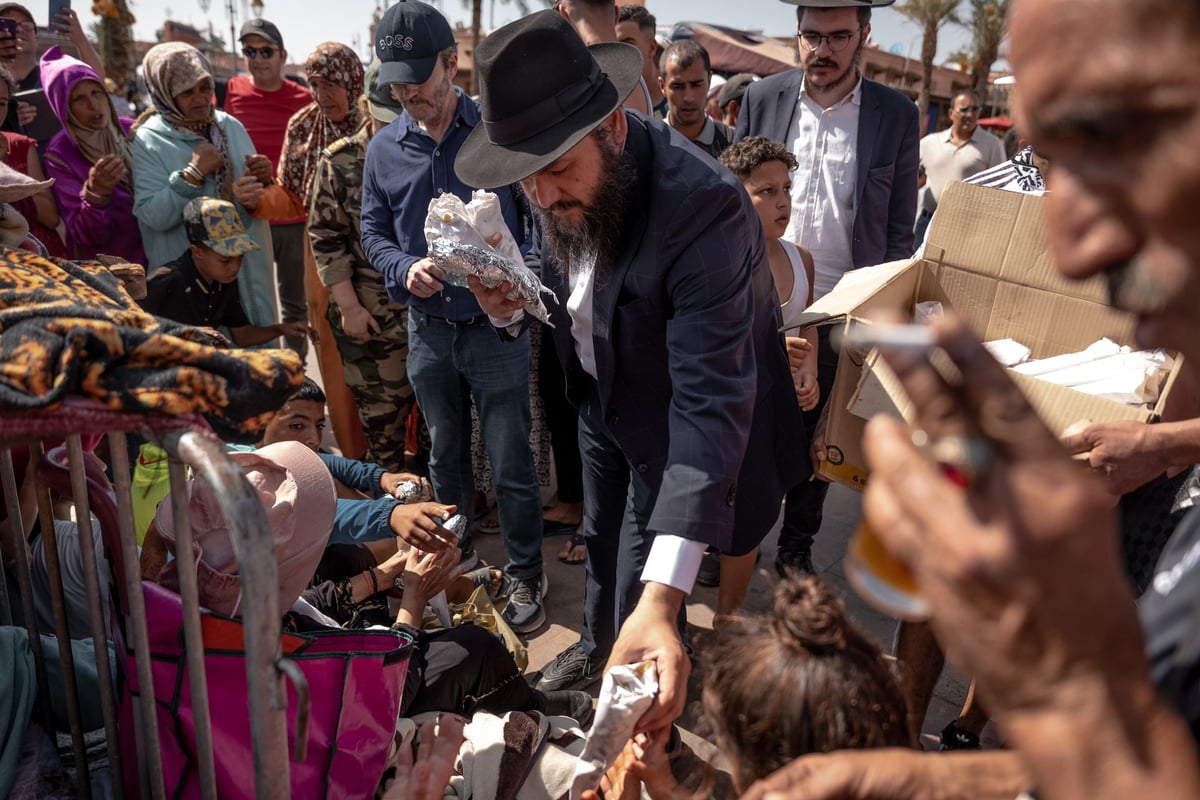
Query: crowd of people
{"type": "Point", "coordinates": [683, 222]}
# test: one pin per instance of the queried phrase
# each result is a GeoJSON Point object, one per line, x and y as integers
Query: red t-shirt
{"type": "Point", "coordinates": [265, 115]}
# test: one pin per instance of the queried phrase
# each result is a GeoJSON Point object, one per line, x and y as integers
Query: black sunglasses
{"type": "Point", "coordinates": [258, 52]}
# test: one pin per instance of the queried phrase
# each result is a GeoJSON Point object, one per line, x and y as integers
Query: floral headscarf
{"type": "Point", "coordinates": [170, 70]}
{"type": "Point", "coordinates": [310, 131]}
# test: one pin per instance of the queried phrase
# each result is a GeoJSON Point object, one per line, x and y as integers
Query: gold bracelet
{"type": "Point", "coordinates": [93, 198]}
{"type": "Point", "coordinates": [192, 174]}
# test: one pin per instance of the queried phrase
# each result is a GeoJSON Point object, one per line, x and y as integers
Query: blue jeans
{"type": "Point", "coordinates": [616, 509]}
{"type": "Point", "coordinates": [449, 364]}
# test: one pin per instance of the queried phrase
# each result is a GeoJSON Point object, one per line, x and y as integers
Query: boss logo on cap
{"type": "Point", "coordinates": [402, 42]}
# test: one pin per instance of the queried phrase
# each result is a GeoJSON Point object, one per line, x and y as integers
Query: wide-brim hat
{"type": "Point", "coordinates": [296, 492]}
{"type": "Point", "coordinates": [840, 3]}
{"type": "Point", "coordinates": [16, 186]}
{"type": "Point", "coordinates": [541, 91]}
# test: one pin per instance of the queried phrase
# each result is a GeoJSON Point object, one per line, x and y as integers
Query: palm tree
{"type": "Point", "coordinates": [931, 15]}
{"type": "Point", "coordinates": [477, 28]}
{"type": "Point", "coordinates": [114, 35]}
{"type": "Point", "coordinates": [987, 27]}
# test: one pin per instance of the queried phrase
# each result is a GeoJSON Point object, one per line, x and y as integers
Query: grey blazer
{"type": "Point", "coordinates": [888, 156]}
{"type": "Point", "coordinates": [692, 372]}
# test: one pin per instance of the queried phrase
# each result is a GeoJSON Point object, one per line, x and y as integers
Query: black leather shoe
{"type": "Point", "coordinates": [568, 703]}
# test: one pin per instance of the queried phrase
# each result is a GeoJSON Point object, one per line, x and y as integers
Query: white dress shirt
{"type": "Point", "coordinates": [582, 283]}
{"type": "Point", "coordinates": [673, 560]}
{"type": "Point", "coordinates": [825, 142]}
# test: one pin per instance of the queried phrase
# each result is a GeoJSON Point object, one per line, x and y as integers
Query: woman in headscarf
{"type": "Point", "coordinates": [91, 161]}
{"type": "Point", "coordinates": [336, 77]}
{"type": "Point", "coordinates": [184, 148]}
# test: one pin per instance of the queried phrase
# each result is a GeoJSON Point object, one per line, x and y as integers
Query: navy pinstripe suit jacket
{"type": "Point", "coordinates": [691, 370]}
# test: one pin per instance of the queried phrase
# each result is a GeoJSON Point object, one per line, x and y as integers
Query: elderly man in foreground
{"type": "Point", "coordinates": [1021, 568]}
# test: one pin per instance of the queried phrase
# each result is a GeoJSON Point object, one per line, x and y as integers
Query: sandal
{"type": "Point", "coordinates": [568, 553]}
{"type": "Point", "coordinates": [953, 737]}
{"type": "Point", "coordinates": [490, 522]}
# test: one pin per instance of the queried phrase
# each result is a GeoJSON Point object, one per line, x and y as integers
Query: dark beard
{"type": "Point", "coordinates": [598, 235]}
{"type": "Point", "coordinates": [847, 78]}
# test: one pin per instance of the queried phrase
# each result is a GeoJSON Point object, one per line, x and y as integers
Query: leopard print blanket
{"type": "Point", "coordinates": [68, 328]}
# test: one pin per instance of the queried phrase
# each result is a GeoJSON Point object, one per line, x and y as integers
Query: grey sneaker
{"type": "Point", "coordinates": [571, 669]}
{"type": "Point", "coordinates": [524, 612]}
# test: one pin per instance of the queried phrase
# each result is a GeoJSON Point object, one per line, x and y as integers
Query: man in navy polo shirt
{"type": "Point", "coordinates": [454, 354]}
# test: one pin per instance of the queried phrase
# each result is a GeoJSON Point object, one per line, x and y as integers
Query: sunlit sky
{"type": "Point", "coordinates": [305, 23]}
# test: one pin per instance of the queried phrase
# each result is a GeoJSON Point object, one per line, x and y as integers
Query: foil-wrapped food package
{"type": "Point", "coordinates": [413, 491]}
{"type": "Point", "coordinates": [625, 695]}
{"type": "Point", "coordinates": [458, 236]}
{"type": "Point", "coordinates": [492, 269]}
{"type": "Point", "coordinates": [456, 525]}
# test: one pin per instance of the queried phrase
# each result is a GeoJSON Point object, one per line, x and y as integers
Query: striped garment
{"type": "Point", "coordinates": [1018, 174]}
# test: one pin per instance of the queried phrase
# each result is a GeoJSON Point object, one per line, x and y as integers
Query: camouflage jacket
{"type": "Point", "coordinates": [335, 212]}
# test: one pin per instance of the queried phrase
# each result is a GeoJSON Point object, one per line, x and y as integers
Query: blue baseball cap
{"type": "Point", "coordinates": [408, 40]}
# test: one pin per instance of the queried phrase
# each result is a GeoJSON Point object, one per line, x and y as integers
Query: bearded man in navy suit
{"type": "Point", "coordinates": [666, 322]}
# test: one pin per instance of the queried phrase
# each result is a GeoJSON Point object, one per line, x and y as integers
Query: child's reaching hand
{"type": "Point", "coordinates": [643, 763]}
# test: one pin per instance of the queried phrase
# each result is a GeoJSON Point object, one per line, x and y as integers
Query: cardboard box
{"type": "Point", "coordinates": [987, 260]}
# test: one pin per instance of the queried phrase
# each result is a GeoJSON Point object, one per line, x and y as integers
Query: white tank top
{"type": "Point", "coordinates": [796, 302]}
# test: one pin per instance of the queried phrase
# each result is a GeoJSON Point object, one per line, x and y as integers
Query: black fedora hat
{"type": "Point", "coordinates": [541, 90]}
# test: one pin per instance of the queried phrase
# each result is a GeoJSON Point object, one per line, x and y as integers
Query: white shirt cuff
{"type": "Point", "coordinates": [509, 323]}
{"type": "Point", "coordinates": [674, 561]}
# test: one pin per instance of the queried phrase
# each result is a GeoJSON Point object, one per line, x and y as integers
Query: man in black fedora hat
{"type": "Point", "coordinates": [666, 323]}
{"type": "Point", "coordinates": [454, 357]}
{"type": "Point", "coordinates": [854, 196]}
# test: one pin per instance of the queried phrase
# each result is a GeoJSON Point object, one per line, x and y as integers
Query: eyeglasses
{"type": "Point", "coordinates": [25, 27]}
{"type": "Point", "coordinates": [969, 110]}
{"type": "Point", "coordinates": [837, 41]}
{"type": "Point", "coordinates": [258, 52]}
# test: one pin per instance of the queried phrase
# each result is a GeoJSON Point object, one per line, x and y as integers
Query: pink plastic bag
{"type": "Point", "coordinates": [355, 678]}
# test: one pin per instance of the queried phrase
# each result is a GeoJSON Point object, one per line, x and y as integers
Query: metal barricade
{"type": "Point", "coordinates": [66, 470]}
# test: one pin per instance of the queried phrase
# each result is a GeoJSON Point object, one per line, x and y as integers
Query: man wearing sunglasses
{"type": "Point", "coordinates": [961, 150]}
{"type": "Point", "coordinates": [854, 195]}
{"type": "Point", "coordinates": [264, 101]}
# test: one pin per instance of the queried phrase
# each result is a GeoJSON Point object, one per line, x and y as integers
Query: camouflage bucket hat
{"type": "Point", "coordinates": [217, 225]}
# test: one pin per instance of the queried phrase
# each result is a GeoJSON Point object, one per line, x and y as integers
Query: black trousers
{"type": "Point", "coordinates": [563, 421]}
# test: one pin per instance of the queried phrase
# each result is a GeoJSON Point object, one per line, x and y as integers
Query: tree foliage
{"type": "Point", "coordinates": [987, 25]}
{"type": "Point", "coordinates": [931, 15]}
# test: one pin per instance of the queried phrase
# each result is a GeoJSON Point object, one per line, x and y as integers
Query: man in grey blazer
{"type": "Point", "coordinates": [854, 195]}
{"type": "Point", "coordinates": [667, 324]}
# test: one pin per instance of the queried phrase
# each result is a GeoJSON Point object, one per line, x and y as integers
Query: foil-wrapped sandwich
{"type": "Point", "coordinates": [413, 491]}
{"type": "Point", "coordinates": [492, 269]}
